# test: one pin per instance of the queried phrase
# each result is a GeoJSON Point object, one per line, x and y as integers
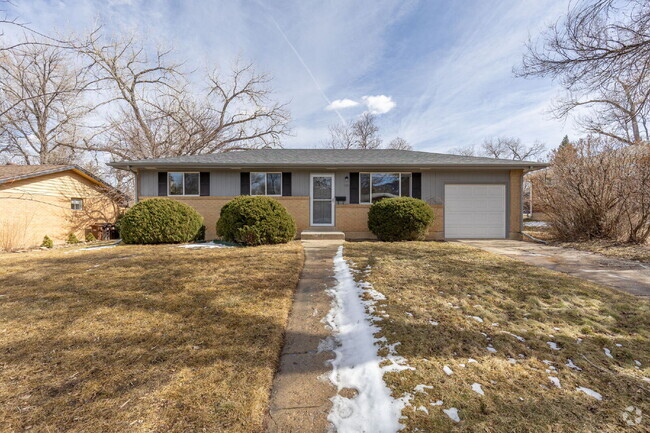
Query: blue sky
{"type": "Point", "coordinates": [438, 73]}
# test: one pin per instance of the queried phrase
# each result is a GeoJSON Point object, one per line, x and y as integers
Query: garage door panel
{"type": "Point", "coordinates": [475, 211]}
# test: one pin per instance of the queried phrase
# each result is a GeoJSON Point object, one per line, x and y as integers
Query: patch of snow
{"type": "Point", "coordinates": [491, 349]}
{"type": "Point", "coordinates": [495, 324]}
{"type": "Point", "coordinates": [204, 245]}
{"type": "Point", "coordinates": [553, 345]}
{"type": "Point", "coordinates": [619, 345]}
{"type": "Point", "coordinates": [447, 370]}
{"type": "Point", "coordinates": [476, 387]}
{"type": "Point", "coordinates": [470, 360]}
{"type": "Point", "coordinates": [431, 322]}
{"type": "Point", "coordinates": [578, 340]}
{"type": "Point", "coordinates": [608, 353]}
{"type": "Point", "coordinates": [423, 409]}
{"type": "Point", "coordinates": [637, 362]}
{"type": "Point", "coordinates": [462, 365]}
{"type": "Point", "coordinates": [570, 364]}
{"type": "Point", "coordinates": [357, 363]}
{"type": "Point", "coordinates": [452, 413]}
{"type": "Point", "coordinates": [522, 339]}
{"type": "Point", "coordinates": [512, 360]}
{"type": "Point", "coordinates": [421, 388]}
{"type": "Point", "coordinates": [555, 381]}
{"type": "Point", "coordinates": [409, 314]}
{"type": "Point", "coordinates": [535, 224]}
{"type": "Point", "coordinates": [590, 392]}
{"type": "Point", "coordinates": [437, 403]}
{"type": "Point", "coordinates": [478, 319]}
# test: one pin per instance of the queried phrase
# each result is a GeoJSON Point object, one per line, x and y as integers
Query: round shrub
{"type": "Point", "coordinates": [255, 221]}
{"type": "Point", "coordinates": [160, 221]}
{"type": "Point", "coordinates": [399, 219]}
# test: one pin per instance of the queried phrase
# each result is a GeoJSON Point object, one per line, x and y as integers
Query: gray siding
{"type": "Point", "coordinates": [225, 183]}
{"type": "Point", "coordinates": [148, 183]}
{"type": "Point", "coordinates": [300, 183]}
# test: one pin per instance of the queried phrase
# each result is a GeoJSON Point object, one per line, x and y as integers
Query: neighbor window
{"type": "Point", "coordinates": [266, 183]}
{"type": "Point", "coordinates": [76, 204]}
{"type": "Point", "coordinates": [375, 186]}
{"type": "Point", "coordinates": [183, 183]}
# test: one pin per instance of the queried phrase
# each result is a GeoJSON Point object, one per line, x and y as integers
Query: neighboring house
{"type": "Point", "coordinates": [52, 200]}
{"type": "Point", "coordinates": [325, 189]}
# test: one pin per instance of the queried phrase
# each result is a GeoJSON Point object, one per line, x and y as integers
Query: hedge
{"type": "Point", "coordinates": [255, 221]}
{"type": "Point", "coordinates": [400, 219]}
{"type": "Point", "coordinates": [160, 221]}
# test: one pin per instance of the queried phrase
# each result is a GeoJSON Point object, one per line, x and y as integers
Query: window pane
{"type": "Point", "coordinates": [191, 184]}
{"type": "Point", "coordinates": [384, 185]}
{"type": "Point", "coordinates": [406, 184]}
{"type": "Point", "coordinates": [322, 212]}
{"type": "Point", "coordinates": [322, 187]}
{"type": "Point", "coordinates": [273, 183]}
{"type": "Point", "coordinates": [76, 204]}
{"type": "Point", "coordinates": [364, 187]}
{"type": "Point", "coordinates": [258, 182]}
{"type": "Point", "coordinates": [175, 183]}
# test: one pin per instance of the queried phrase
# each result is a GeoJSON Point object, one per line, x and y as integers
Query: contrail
{"type": "Point", "coordinates": [313, 78]}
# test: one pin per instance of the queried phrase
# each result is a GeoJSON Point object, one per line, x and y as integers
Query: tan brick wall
{"type": "Point", "coordinates": [33, 208]}
{"type": "Point", "coordinates": [210, 209]}
{"type": "Point", "coordinates": [352, 219]}
{"type": "Point", "coordinates": [516, 177]}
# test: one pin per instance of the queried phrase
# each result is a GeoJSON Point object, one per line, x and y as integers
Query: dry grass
{"type": "Point", "coordinates": [640, 253]}
{"type": "Point", "coordinates": [142, 338]}
{"type": "Point", "coordinates": [447, 282]}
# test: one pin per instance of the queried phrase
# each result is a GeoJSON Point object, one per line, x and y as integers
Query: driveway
{"type": "Point", "coordinates": [629, 276]}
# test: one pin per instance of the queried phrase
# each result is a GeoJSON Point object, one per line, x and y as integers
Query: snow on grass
{"type": "Point", "coordinates": [476, 387]}
{"type": "Point", "coordinates": [421, 388]}
{"type": "Point", "coordinates": [204, 245]}
{"type": "Point", "coordinates": [553, 345]}
{"type": "Point", "coordinates": [437, 403]}
{"type": "Point", "coordinates": [470, 360]}
{"type": "Point", "coordinates": [491, 349]}
{"type": "Point", "coordinates": [535, 224]}
{"type": "Point", "coordinates": [608, 352]}
{"type": "Point", "coordinates": [357, 363]}
{"type": "Point", "coordinates": [434, 323]}
{"type": "Point", "coordinates": [590, 392]}
{"type": "Point", "coordinates": [522, 339]}
{"type": "Point", "coordinates": [478, 319]}
{"type": "Point", "coordinates": [555, 381]}
{"type": "Point", "coordinates": [452, 413]}
{"type": "Point", "coordinates": [570, 364]}
{"type": "Point", "coordinates": [423, 409]}
{"type": "Point", "coordinates": [638, 363]}
{"type": "Point", "coordinates": [447, 370]}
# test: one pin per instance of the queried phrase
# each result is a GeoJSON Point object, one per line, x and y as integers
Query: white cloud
{"type": "Point", "coordinates": [340, 104]}
{"type": "Point", "coordinates": [379, 104]}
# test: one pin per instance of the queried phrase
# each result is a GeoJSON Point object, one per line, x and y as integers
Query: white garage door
{"type": "Point", "coordinates": [475, 211]}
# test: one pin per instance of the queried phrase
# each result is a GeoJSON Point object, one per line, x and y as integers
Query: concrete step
{"type": "Point", "coordinates": [307, 235]}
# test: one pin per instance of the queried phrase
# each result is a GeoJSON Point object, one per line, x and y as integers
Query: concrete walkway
{"type": "Point", "coordinates": [629, 276]}
{"type": "Point", "coordinates": [300, 400]}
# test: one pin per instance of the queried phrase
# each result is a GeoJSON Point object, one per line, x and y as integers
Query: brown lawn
{"type": "Point", "coordinates": [142, 338]}
{"type": "Point", "coordinates": [456, 286]}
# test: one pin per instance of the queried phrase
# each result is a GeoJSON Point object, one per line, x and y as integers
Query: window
{"type": "Point", "coordinates": [266, 183]}
{"type": "Point", "coordinates": [183, 183]}
{"type": "Point", "coordinates": [375, 186]}
{"type": "Point", "coordinates": [76, 204]}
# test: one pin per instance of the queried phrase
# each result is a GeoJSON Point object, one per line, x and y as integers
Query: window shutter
{"type": "Point", "coordinates": [416, 188]}
{"type": "Point", "coordinates": [354, 188]}
{"type": "Point", "coordinates": [205, 183]}
{"type": "Point", "coordinates": [286, 184]}
{"type": "Point", "coordinates": [245, 185]}
{"type": "Point", "coordinates": [162, 183]}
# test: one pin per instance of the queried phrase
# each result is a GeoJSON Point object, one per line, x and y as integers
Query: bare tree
{"type": "Point", "coordinates": [600, 53]}
{"type": "Point", "coordinates": [398, 143]}
{"type": "Point", "coordinates": [43, 104]}
{"type": "Point", "coordinates": [362, 133]}
{"type": "Point", "coordinates": [504, 148]}
{"type": "Point", "coordinates": [152, 111]}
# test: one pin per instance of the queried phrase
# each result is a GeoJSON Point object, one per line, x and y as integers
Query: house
{"type": "Point", "coordinates": [332, 189]}
{"type": "Point", "coordinates": [52, 200]}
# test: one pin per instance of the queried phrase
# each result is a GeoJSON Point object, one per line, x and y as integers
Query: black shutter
{"type": "Point", "coordinates": [354, 188]}
{"type": "Point", "coordinates": [245, 185]}
{"type": "Point", "coordinates": [417, 185]}
{"type": "Point", "coordinates": [286, 184]}
{"type": "Point", "coordinates": [162, 183]}
{"type": "Point", "coordinates": [205, 182]}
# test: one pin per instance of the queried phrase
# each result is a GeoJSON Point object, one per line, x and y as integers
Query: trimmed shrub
{"type": "Point", "coordinates": [400, 219]}
{"type": "Point", "coordinates": [90, 237]}
{"type": "Point", "coordinates": [47, 242]}
{"type": "Point", "coordinates": [255, 221]}
{"type": "Point", "coordinates": [72, 239]}
{"type": "Point", "coordinates": [160, 221]}
{"type": "Point", "coordinates": [200, 236]}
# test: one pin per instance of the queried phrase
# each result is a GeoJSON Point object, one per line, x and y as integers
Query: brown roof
{"type": "Point", "coordinates": [15, 172]}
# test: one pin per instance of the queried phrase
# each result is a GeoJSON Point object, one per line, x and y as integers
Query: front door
{"type": "Point", "coordinates": [322, 200]}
